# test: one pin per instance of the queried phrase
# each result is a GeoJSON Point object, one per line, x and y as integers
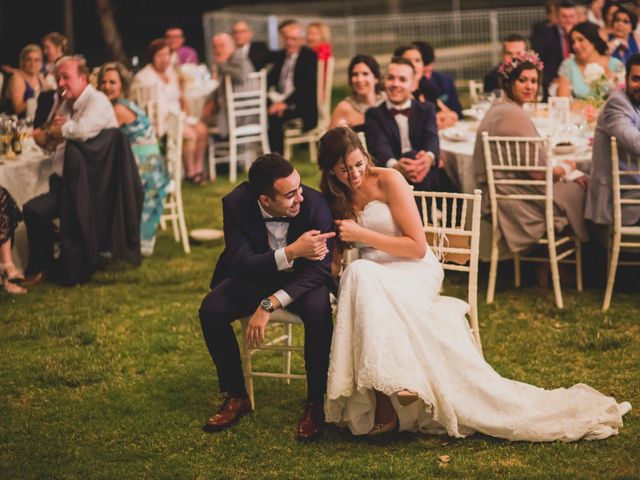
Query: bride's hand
{"type": "Point", "coordinates": [348, 230]}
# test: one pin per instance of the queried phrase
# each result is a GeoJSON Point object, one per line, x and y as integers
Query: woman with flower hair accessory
{"type": "Point", "coordinates": [522, 224]}
{"type": "Point", "coordinates": [590, 73]}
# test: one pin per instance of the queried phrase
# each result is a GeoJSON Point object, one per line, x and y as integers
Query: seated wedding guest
{"type": "Point", "coordinates": [158, 73]}
{"type": "Point", "coordinates": [257, 52]}
{"type": "Point", "coordinates": [522, 224]}
{"type": "Point", "coordinates": [80, 115]}
{"type": "Point", "coordinates": [441, 84]}
{"type": "Point", "coordinates": [588, 48]}
{"type": "Point", "coordinates": [513, 45]}
{"type": "Point", "coordinates": [10, 216]}
{"type": "Point", "coordinates": [401, 133]}
{"type": "Point", "coordinates": [553, 43]}
{"type": "Point", "coordinates": [366, 92]}
{"type": "Point", "coordinates": [319, 39]}
{"type": "Point", "coordinates": [594, 12]}
{"type": "Point", "coordinates": [608, 11]}
{"type": "Point", "coordinates": [402, 355]}
{"type": "Point", "coordinates": [227, 61]}
{"type": "Point", "coordinates": [113, 80]}
{"type": "Point", "coordinates": [424, 90]}
{"type": "Point", "coordinates": [293, 84]}
{"type": "Point", "coordinates": [180, 53]}
{"type": "Point", "coordinates": [624, 41]}
{"type": "Point", "coordinates": [26, 82]}
{"type": "Point", "coordinates": [620, 118]}
{"type": "Point", "coordinates": [278, 252]}
{"type": "Point", "coordinates": [55, 46]}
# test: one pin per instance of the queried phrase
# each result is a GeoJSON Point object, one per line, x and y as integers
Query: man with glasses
{"type": "Point", "coordinates": [256, 52]}
{"type": "Point", "coordinates": [180, 53]}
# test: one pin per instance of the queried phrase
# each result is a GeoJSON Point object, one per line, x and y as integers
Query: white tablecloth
{"type": "Point", "coordinates": [25, 177]}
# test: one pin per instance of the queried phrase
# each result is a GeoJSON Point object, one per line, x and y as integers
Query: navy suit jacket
{"type": "Point", "coordinates": [259, 55]}
{"type": "Point", "coordinates": [446, 91]}
{"type": "Point", "coordinates": [305, 80]}
{"type": "Point", "coordinates": [383, 134]}
{"type": "Point", "coordinates": [546, 41]}
{"type": "Point", "coordinates": [247, 255]}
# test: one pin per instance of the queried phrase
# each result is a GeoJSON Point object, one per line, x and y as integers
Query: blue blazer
{"type": "Point", "coordinates": [383, 135]}
{"type": "Point", "coordinates": [447, 92]}
{"type": "Point", "coordinates": [247, 254]}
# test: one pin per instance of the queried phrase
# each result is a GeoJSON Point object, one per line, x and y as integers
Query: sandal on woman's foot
{"type": "Point", "coordinates": [406, 397]}
{"type": "Point", "coordinates": [379, 428]}
{"type": "Point", "coordinates": [9, 287]}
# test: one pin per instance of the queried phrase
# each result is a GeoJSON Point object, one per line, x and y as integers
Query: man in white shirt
{"type": "Point", "coordinates": [277, 254]}
{"type": "Point", "coordinates": [402, 133]}
{"type": "Point", "coordinates": [80, 113]}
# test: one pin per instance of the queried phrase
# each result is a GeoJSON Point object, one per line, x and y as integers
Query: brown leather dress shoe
{"type": "Point", "coordinates": [229, 414]}
{"type": "Point", "coordinates": [312, 422]}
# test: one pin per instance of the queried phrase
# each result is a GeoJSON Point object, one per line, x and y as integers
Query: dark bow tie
{"type": "Point", "coordinates": [403, 111]}
{"type": "Point", "coordinates": [278, 219]}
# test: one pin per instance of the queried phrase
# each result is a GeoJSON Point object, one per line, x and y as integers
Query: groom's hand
{"type": "Point", "coordinates": [311, 245]}
{"type": "Point", "coordinates": [258, 324]}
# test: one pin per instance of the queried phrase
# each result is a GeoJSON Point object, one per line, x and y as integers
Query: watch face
{"type": "Point", "coordinates": [266, 304]}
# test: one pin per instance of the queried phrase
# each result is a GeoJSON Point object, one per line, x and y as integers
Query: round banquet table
{"type": "Point", "coordinates": [25, 177]}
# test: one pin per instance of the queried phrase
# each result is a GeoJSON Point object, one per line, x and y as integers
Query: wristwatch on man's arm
{"type": "Point", "coordinates": [267, 305]}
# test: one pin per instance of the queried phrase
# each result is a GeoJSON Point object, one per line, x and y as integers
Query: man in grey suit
{"type": "Point", "coordinates": [620, 118]}
{"type": "Point", "coordinates": [226, 61]}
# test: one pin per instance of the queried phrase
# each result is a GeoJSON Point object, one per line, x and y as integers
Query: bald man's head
{"type": "Point", "coordinates": [223, 47]}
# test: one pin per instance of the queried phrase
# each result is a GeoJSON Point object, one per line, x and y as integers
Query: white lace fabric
{"type": "Point", "coordinates": [394, 331]}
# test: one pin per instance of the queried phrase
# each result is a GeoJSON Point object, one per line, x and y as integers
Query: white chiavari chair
{"type": "Point", "coordinates": [620, 187]}
{"type": "Point", "coordinates": [514, 158]}
{"type": "Point", "coordinates": [475, 90]}
{"type": "Point", "coordinates": [247, 122]}
{"type": "Point", "coordinates": [173, 208]}
{"type": "Point", "coordinates": [146, 96]}
{"type": "Point", "coordinates": [453, 240]}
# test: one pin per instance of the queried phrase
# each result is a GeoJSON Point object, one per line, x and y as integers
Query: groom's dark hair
{"type": "Point", "coordinates": [265, 171]}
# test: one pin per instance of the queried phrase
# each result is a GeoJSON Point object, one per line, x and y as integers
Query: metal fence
{"type": "Point", "coordinates": [467, 43]}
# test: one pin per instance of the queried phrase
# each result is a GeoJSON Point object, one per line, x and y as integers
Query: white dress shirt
{"type": "Point", "coordinates": [277, 238]}
{"type": "Point", "coordinates": [168, 93]}
{"type": "Point", "coordinates": [91, 113]}
{"type": "Point", "coordinates": [403, 127]}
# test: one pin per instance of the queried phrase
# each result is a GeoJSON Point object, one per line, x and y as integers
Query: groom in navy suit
{"type": "Point", "coordinates": [402, 133]}
{"type": "Point", "coordinates": [278, 243]}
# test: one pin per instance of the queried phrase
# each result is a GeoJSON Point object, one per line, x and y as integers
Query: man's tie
{"type": "Point", "coordinates": [403, 111]}
{"type": "Point", "coordinates": [278, 219]}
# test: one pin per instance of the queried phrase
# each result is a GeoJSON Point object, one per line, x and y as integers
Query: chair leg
{"type": "Point", "coordinates": [247, 367]}
{"type": "Point", "coordinates": [613, 267]}
{"type": "Point", "coordinates": [516, 269]}
{"type": "Point", "coordinates": [264, 140]}
{"type": "Point", "coordinates": [183, 225]}
{"type": "Point", "coordinates": [212, 160]}
{"type": "Point", "coordinates": [288, 330]}
{"type": "Point", "coordinates": [287, 150]}
{"type": "Point", "coordinates": [555, 273]}
{"type": "Point", "coordinates": [174, 217]}
{"type": "Point", "coordinates": [578, 247]}
{"type": "Point", "coordinates": [233, 160]}
{"type": "Point", "coordinates": [313, 151]}
{"type": "Point", "coordinates": [493, 269]}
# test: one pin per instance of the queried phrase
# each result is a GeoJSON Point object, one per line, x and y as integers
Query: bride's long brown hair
{"type": "Point", "coordinates": [335, 146]}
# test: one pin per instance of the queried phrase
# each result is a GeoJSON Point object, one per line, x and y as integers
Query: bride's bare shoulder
{"type": "Point", "coordinates": [389, 178]}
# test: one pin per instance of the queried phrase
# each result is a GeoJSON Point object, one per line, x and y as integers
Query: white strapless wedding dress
{"type": "Point", "coordinates": [394, 331]}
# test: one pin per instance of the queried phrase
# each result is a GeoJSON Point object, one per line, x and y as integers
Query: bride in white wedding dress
{"type": "Point", "coordinates": [403, 355]}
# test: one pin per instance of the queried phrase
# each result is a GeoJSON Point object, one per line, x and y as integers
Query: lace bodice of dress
{"type": "Point", "coordinates": [376, 216]}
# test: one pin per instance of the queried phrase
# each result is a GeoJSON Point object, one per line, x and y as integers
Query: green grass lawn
{"type": "Point", "coordinates": [112, 380]}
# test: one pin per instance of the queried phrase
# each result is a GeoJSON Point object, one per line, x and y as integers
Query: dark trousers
{"type": "Point", "coordinates": [39, 213]}
{"type": "Point", "coordinates": [276, 130]}
{"type": "Point", "coordinates": [232, 299]}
